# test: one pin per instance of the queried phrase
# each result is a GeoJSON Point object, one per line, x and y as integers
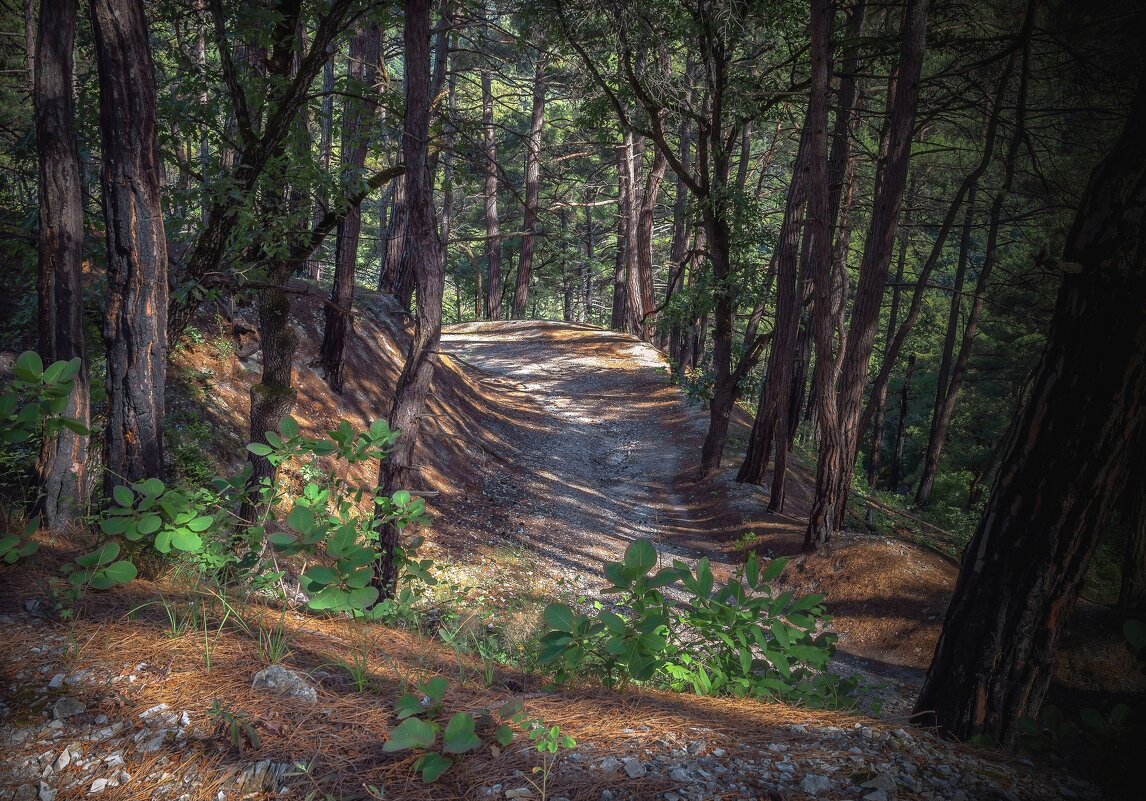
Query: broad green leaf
{"type": "Point", "coordinates": [148, 524]}
{"type": "Point", "coordinates": [152, 486]}
{"type": "Point", "coordinates": [503, 734]}
{"type": "Point", "coordinates": [640, 556]}
{"type": "Point", "coordinates": [362, 598]}
{"type": "Point", "coordinates": [408, 705]}
{"type": "Point", "coordinates": [117, 573]}
{"type": "Point", "coordinates": [436, 688]}
{"type": "Point", "coordinates": [201, 523]}
{"type": "Point", "coordinates": [186, 540]}
{"type": "Point", "coordinates": [301, 519]}
{"type": "Point", "coordinates": [29, 366]}
{"type": "Point", "coordinates": [320, 575]}
{"type": "Point", "coordinates": [400, 498]}
{"type": "Point", "coordinates": [123, 495]}
{"type": "Point", "coordinates": [774, 569]}
{"type": "Point", "coordinates": [288, 426]}
{"type": "Point", "coordinates": [259, 449]}
{"type": "Point", "coordinates": [114, 525]}
{"type": "Point", "coordinates": [560, 617]}
{"type": "Point", "coordinates": [459, 737]}
{"type": "Point", "coordinates": [613, 622]}
{"type": "Point", "coordinates": [432, 766]}
{"type": "Point", "coordinates": [411, 733]}
{"type": "Point", "coordinates": [102, 555]}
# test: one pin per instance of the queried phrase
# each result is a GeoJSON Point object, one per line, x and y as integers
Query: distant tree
{"type": "Point", "coordinates": [532, 175]}
{"type": "Point", "coordinates": [135, 327]}
{"type": "Point", "coordinates": [1067, 459]}
{"type": "Point", "coordinates": [63, 458]}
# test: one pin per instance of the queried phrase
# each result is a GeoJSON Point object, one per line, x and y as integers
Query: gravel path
{"type": "Point", "coordinates": [599, 465]}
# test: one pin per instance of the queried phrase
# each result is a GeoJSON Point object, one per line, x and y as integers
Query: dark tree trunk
{"type": "Point", "coordinates": [1132, 595]}
{"type": "Point", "coordinates": [838, 448]}
{"type": "Point", "coordinates": [135, 326]}
{"type": "Point", "coordinates": [895, 470]}
{"type": "Point", "coordinates": [1067, 459]}
{"type": "Point", "coordinates": [532, 176]}
{"type": "Point", "coordinates": [356, 117]}
{"type": "Point", "coordinates": [492, 232]}
{"type": "Point", "coordinates": [61, 470]}
{"type": "Point", "coordinates": [426, 256]}
{"type": "Point", "coordinates": [586, 311]}
{"type": "Point", "coordinates": [771, 421]}
{"type": "Point", "coordinates": [879, 402]}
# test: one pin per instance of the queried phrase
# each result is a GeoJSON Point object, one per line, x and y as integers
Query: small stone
{"type": "Point", "coordinates": [610, 764]}
{"type": "Point", "coordinates": [63, 760]}
{"type": "Point", "coordinates": [876, 795]}
{"type": "Point", "coordinates": [56, 724]}
{"type": "Point", "coordinates": [606, 795]}
{"type": "Point", "coordinates": [814, 784]}
{"type": "Point", "coordinates": [25, 792]}
{"type": "Point", "coordinates": [56, 681]}
{"type": "Point", "coordinates": [98, 786]}
{"type": "Point", "coordinates": [47, 792]}
{"type": "Point", "coordinates": [279, 680]}
{"type": "Point", "coordinates": [634, 768]}
{"type": "Point", "coordinates": [67, 707]}
{"type": "Point", "coordinates": [679, 774]}
{"type": "Point", "coordinates": [718, 752]}
{"type": "Point", "coordinates": [519, 792]}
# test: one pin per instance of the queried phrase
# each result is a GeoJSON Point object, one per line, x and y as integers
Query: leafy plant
{"type": "Point", "coordinates": [740, 638]}
{"type": "Point", "coordinates": [234, 725]}
{"type": "Point", "coordinates": [419, 731]}
{"type": "Point", "coordinates": [14, 547]}
{"type": "Point", "coordinates": [274, 642]}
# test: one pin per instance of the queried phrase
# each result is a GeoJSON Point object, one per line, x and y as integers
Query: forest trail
{"type": "Point", "coordinates": [600, 461]}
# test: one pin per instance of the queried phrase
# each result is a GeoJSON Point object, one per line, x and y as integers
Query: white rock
{"type": "Point", "coordinates": [98, 786]}
{"type": "Point", "coordinates": [634, 768]}
{"type": "Point", "coordinates": [56, 681]}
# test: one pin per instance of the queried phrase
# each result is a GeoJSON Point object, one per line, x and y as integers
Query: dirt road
{"type": "Point", "coordinates": [599, 461]}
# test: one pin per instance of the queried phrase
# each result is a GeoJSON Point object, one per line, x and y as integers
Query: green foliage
{"type": "Point", "coordinates": [32, 408]}
{"type": "Point", "coordinates": [420, 727]}
{"type": "Point", "coordinates": [233, 725]}
{"type": "Point", "coordinates": [740, 638]}
{"type": "Point", "coordinates": [14, 547]}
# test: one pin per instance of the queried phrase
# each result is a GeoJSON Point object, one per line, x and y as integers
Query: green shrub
{"type": "Point", "coordinates": [740, 638]}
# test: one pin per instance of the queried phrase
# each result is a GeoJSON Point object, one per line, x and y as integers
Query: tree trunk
{"type": "Point", "coordinates": [618, 320]}
{"type": "Point", "coordinates": [1068, 457]}
{"type": "Point", "coordinates": [532, 175]}
{"type": "Point", "coordinates": [879, 402]}
{"type": "Point", "coordinates": [838, 447]}
{"type": "Point", "coordinates": [325, 146]}
{"type": "Point", "coordinates": [61, 470]}
{"type": "Point", "coordinates": [356, 116]}
{"type": "Point", "coordinates": [135, 326]}
{"type": "Point", "coordinates": [426, 256]}
{"type": "Point", "coordinates": [1132, 595]}
{"type": "Point", "coordinates": [492, 232]}
{"type": "Point", "coordinates": [644, 239]}
{"type": "Point", "coordinates": [895, 470]}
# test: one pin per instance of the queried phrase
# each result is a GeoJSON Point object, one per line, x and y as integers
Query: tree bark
{"type": "Point", "coordinates": [61, 470]}
{"type": "Point", "coordinates": [135, 326]}
{"type": "Point", "coordinates": [532, 176]}
{"type": "Point", "coordinates": [838, 448]}
{"type": "Point", "coordinates": [622, 271]}
{"type": "Point", "coordinates": [644, 239]}
{"type": "Point", "coordinates": [1068, 457]}
{"type": "Point", "coordinates": [426, 256]}
{"type": "Point", "coordinates": [895, 470]}
{"type": "Point", "coordinates": [356, 116]}
{"type": "Point", "coordinates": [1132, 594]}
{"type": "Point", "coordinates": [492, 232]}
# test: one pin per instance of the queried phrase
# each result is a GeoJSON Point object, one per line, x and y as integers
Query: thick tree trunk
{"type": "Point", "coordinates": [135, 326]}
{"type": "Point", "coordinates": [1068, 457]}
{"type": "Point", "coordinates": [838, 448]}
{"type": "Point", "coordinates": [426, 256]}
{"type": "Point", "coordinates": [356, 116]}
{"type": "Point", "coordinates": [532, 176]}
{"type": "Point", "coordinates": [61, 470]}
{"type": "Point", "coordinates": [492, 231]}
{"type": "Point", "coordinates": [392, 276]}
